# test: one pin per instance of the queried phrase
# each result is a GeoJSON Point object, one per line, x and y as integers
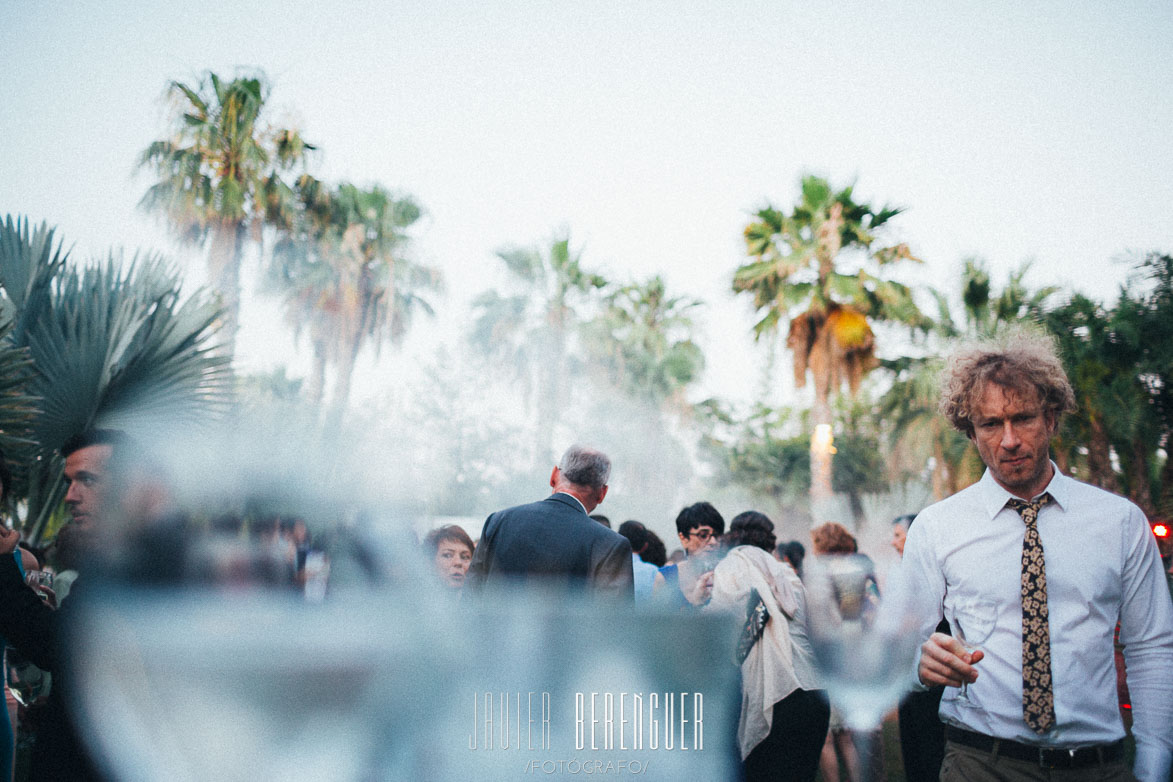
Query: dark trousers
{"type": "Point", "coordinates": [966, 764]}
{"type": "Point", "coordinates": [922, 736]}
{"type": "Point", "coordinates": [790, 753]}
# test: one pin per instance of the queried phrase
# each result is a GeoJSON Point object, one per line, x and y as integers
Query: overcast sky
{"type": "Point", "coordinates": [1009, 130]}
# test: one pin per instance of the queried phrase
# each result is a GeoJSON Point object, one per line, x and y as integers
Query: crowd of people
{"type": "Point", "coordinates": [1056, 568]}
{"type": "Point", "coordinates": [787, 728]}
{"type": "Point", "coordinates": [1062, 568]}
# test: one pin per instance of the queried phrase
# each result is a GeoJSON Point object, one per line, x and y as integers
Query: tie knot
{"type": "Point", "coordinates": [1023, 507]}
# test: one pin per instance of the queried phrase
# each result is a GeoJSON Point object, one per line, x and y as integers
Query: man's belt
{"type": "Point", "coordinates": [1046, 757]}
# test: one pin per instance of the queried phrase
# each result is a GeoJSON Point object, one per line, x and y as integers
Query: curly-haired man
{"type": "Point", "coordinates": [1050, 565]}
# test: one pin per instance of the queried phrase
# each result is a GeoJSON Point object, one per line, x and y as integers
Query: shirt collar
{"type": "Point", "coordinates": [577, 501]}
{"type": "Point", "coordinates": [994, 497]}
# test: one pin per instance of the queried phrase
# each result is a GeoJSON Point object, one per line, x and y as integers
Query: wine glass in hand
{"type": "Point", "coordinates": [973, 622]}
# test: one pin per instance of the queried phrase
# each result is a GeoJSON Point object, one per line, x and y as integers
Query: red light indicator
{"type": "Point", "coordinates": [1161, 530]}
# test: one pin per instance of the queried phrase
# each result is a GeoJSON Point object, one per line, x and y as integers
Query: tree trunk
{"type": "Point", "coordinates": [821, 368]}
{"type": "Point", "coordinates": [317, 385]}
{"type": "Point", "coordinates": [940, 475]}
{"type": "Point", "coordinates": [855, 500]}
{"type": "Point", "coordinates": [821, 450]}
{"type": "Point", "coordinates": [224, 270]}
{"type": "Point", "coordinates": [1099, 458]}
{"type": "Point", "coordinates": [343, 374]}
{"type": "Point", "coordinates": [1140, 491]}
{"type": "Point", "coordinates": [829, 240]}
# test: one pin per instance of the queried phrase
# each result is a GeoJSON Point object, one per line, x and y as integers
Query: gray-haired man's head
{"type": "Point", "coordinates": [584, 466]}
{"type": "Point", "coordinates": [582, 472]}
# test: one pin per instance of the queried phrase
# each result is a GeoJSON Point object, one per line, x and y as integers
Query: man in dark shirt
{"type": "Point", "coordinates": [36, 631]}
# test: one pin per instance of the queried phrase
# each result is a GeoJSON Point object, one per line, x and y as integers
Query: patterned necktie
{"type": "Point", "coordinates": [1038, 700]}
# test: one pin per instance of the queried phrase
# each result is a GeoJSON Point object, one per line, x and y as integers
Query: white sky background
{"type": "Point", "coordinates": [651, 129]}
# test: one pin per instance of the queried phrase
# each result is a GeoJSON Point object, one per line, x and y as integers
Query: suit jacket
{"type": "Point", "coordinates": [551, 544]}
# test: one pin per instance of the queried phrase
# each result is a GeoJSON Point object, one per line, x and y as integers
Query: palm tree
{"type": "Point", "coordinates": [644, 340]}
{"type": "Point", "coordinates": [1153, 320]}
{"type": "Point", "coordinates": [531, 330]}
{"type": "Point", "coordinates": [347, 278]}
{"type": "Point", "coordinates": [220, 175]}
{"type": "Point", "coordinates": [759, 452]}
{"type": "Point", "coordinates": [112, 343]}
{"type": "Point", "coordinates": [643, 359]}
{"type": "Point", "coordinates": [795, 268]}
{"type": "Point", "coordinates": [1085, 336]}
{"type": "Point", "coordinates": [1119, 361]}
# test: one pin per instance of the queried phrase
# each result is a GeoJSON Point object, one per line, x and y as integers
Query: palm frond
{"type": "Point", "coordinates": [523, 263]}
{"type": "Point", "coordinates": [944, 322]}
{"type": "Point", "coordinates": [794, 266]}
{"type": "Point", "coordinates": [193, 97]}
{"type": "Point", "coordinates": [28, 264]}
{"type": "Point", "coordinates": [117, 346]}
{"type": "Point", "coordinates": [752, 274]}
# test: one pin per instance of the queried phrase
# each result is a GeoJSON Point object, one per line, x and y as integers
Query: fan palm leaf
{"type": "Point", "coordinates": [120, 347]}
{"type": "Point", "coordinates": [28, 263]}
{"type": "Point", "coordinates": [111, 343]}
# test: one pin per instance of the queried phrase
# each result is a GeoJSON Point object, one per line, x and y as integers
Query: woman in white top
{"type": "Point", "coordinates": [784, 713]}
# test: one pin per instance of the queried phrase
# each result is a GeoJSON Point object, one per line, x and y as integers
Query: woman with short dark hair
{"type": "Point", "coordinates": [784, 712]}
{"type": "Point", "coordinates": [451, 550]}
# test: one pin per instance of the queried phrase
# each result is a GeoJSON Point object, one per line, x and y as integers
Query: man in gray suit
{"type": "Point", "coordinates": [554, 544]}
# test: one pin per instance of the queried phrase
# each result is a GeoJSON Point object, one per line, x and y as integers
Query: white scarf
{"type": "Point", "coordinates": [767, 674]}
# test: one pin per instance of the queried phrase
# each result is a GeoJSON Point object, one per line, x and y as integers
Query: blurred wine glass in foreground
{"type": "Point", "coordinates": [865, 641]}
{"type": "Point", "coordinates": [197, 653]}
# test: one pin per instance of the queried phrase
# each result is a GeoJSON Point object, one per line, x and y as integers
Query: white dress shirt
{"type": "Point", "coordinates": [1102, 565]}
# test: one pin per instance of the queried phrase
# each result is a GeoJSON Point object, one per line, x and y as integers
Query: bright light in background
{"type": "Point", "coordinates": [823, 441]}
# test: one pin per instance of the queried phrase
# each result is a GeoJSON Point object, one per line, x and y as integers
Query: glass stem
{"type": "Point", "coordinates": [866, 746]}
